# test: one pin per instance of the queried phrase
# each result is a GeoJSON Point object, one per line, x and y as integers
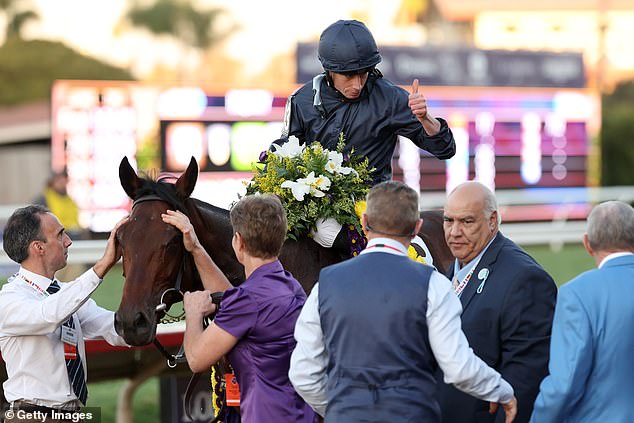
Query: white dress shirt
{"type": "Point", "coordinates": [449, 345]}
{"type": "Point", "coordinates": [30, 334]}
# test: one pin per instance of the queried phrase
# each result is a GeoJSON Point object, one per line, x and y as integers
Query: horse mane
{"type": "Point", "coordinates": [163, 187]}
{"type": "Point", "coordinates": [157, 186]}
{"type": "Point", "coordinates": [211, 208]}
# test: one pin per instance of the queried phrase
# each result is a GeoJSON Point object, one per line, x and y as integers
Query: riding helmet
{"type": "Point", "coordinates": [347, 46]}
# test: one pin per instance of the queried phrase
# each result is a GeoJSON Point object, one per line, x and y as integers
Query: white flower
{"type": "Point", "coordinates": [320, 182]}
{"type": "Point", "coordinates": [310, 184]}
{"type": "Point", "coordinates": [299, 189]}
{"type": "Point", "coordinates": [335, 161]}
{"type": "Point", "coordinates": [289, 149]}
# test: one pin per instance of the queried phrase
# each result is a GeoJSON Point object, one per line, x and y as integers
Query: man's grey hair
{"type": "Point", "coordinates": [490, 204]}
{"type": "Point", "coordinates": [611, 227]}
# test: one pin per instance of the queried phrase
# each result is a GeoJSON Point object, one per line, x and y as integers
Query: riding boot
{"type": "Point", "coordinates": [342, 243]}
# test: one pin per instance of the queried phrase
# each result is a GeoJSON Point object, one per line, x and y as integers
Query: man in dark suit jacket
{"type": "Point", "coordinates": [508, 301]}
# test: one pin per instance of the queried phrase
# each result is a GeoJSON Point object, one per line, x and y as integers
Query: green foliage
{"type": "Point", "coordinates": [17, 15]}
{"type": "Point", "coordinates": [177, 18]}
{"type": "Point", "coordinates": [328, 190]}
{"type": "Point", "coordinates": [29, 68]}
{"type": "Point", "coordinates": [617, 136]}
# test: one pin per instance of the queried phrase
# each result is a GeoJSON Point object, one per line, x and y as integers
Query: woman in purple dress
{"type": "Point", "coordinates": [254, 326]}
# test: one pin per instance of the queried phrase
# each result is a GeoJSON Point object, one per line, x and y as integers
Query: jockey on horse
{"type": "Point", "coordinates": [352, 97]}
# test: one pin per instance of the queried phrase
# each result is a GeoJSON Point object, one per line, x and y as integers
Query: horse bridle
{"type": "Point", "coordinates": [172, 359]}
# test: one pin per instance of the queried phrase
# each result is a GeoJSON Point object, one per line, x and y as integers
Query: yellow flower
{"type": "Point", "coordinates": [359, 208]}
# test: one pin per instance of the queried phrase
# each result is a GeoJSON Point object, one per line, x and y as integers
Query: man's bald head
{"type": "Point", "coordinates": [471, 220]}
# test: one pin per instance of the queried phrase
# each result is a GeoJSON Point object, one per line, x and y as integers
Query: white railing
{"type": "Point", "coordinates": [590, 195]}
{"type": "Point", "coordinates": [554, 233]}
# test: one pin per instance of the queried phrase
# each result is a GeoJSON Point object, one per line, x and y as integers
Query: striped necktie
{"type": "Point", "coordinates": [74, 367]}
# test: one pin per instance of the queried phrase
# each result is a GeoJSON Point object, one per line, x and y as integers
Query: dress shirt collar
{"type": "Point", "coordinates": [613, 256]}
{"type": "Point", "coordinates": [464, 271]}
{"type": "Point", "coordinates": [385, 245]}
{"type": "Point", "coordinates": [40, 282]}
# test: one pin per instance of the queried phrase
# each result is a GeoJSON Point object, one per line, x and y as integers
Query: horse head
{"type": "Point", "coordinates": [154, 259]}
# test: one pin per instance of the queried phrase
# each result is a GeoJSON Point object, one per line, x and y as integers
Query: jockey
{"type": "Point", "coordinates": [352, 97]}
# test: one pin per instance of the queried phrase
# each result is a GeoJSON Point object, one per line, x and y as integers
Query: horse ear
{"type": "Point", "coordinates": [129, 179]}
{"type": "Point", "coordinates": [187, 181]}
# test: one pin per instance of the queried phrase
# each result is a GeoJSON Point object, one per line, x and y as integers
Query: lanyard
{"type": "Point", "coordinates": [43, 293]}
{"type": "Point", "coordinates": [459, 286]}
{"type": "Point", "coordinates": [384, 246]}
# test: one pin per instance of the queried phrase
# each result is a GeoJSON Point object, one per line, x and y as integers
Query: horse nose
{"type": "Point", "coordinates": [141, 322]}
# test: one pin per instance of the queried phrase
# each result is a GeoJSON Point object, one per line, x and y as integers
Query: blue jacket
{"type": "Point", "coordinates": [380, 364]}
{"type": "Point", "coordinates": [508, 325]}
{"type": "Point", "coordinates": [592, 349]}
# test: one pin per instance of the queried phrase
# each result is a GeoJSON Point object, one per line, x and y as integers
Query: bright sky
{"type": "Point", "coordinates": [266, 28]}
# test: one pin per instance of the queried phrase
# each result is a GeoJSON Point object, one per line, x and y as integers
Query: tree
{"type": "Point", "coordinates": [192, 27]}
{"type": "Point", "coordinates": [28, 69]}
{"type": "Point", "coordinates": [177, 18]}
{"type": "Point", "coordinates": [617, 134]}
{"type": "Point", "coordinates": [17, 16]}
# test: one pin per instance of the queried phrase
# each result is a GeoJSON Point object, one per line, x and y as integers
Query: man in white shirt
{"type": "Point", "coordinates": [43, 322]}
{"type": "Point", "coordinates": [367, 341]}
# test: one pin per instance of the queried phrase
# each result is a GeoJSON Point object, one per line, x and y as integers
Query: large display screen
{"type": "Point", "coordinates": [518, 141]}
{"type": "Point", "coordinates": [217, 146]}
{"type": "Point", "coordinates": [510, 139]}
{"type": "Point", "coordinates": [94, 125]}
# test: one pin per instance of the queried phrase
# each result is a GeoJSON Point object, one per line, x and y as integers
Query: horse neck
{"type": "Point", "coordinates": [213, 228]}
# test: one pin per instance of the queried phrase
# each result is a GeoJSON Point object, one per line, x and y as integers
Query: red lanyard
{"type": "Point", "coordinates": [384, 246]}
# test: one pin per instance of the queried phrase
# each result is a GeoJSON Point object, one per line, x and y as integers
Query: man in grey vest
{"type": "Point", "coordinates": [375, 328]}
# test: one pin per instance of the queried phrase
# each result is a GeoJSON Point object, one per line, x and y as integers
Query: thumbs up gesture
{"type": "Point", "coordinates": [418, 105]}
{"type": "Point", "coordinates": [417, 102]}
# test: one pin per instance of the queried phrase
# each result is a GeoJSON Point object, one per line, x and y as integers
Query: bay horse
{"type": "Point", "coordinates": [155, 260]}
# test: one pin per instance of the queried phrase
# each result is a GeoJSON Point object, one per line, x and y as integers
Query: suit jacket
{"type": "Point", "coordinates": [508, 325]}
{"type": "Point", "coordinates": [591, 368]}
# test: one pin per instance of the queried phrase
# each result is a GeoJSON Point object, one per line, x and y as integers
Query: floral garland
{"type": "Point", "coordinates": [312, 183]}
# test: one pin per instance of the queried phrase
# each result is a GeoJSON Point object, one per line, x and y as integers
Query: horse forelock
{"type": "Point", "coordinates": [165, 191]}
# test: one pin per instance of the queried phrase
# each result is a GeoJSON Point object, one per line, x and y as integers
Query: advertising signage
{"type": "Point", "coordinates": [435, 66]}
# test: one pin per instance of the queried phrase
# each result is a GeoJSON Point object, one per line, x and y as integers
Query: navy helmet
{"type": "Point", "coordinates": [348, 46]}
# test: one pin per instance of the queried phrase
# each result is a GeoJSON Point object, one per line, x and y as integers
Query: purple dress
{"type": "Point", "coordinates": [262, 313]}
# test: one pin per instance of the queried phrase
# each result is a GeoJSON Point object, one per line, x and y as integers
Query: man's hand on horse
{"type": "Point", "coordinates": [112, 254]}
{"type": "Point", "coordinates": [198, 304]}
{"type": "Point", "coordinates": [182, 223]}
